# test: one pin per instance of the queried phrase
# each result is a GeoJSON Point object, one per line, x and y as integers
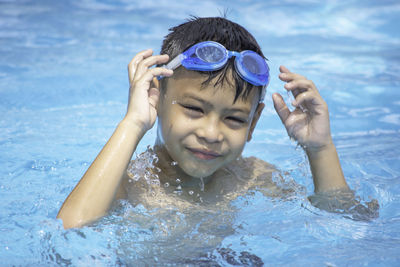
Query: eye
{"type": "Point", "coordinates": [236, 121]}
{"type": "Point", "coordinates": [192, 110]}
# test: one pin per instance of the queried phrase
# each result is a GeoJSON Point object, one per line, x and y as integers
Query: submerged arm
{"type": "Point", "coordinates": [95, 192]}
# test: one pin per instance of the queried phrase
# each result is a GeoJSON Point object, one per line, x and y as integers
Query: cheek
{"type": "Point", "coordinates": [237, 141]}
{"type": "Point", "coordinates": [239, 137]}
{"type": "Point", "coordinates": [175, 126]}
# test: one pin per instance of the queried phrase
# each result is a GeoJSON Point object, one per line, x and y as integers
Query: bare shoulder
{"type": "Point", "coordinates": [251, 167]}
{"type": "Point", "coordinates": [130, 189]}
{"type": "Point", "coordinates": [250, 172]}
{"type": "Point", "coordinates": [260, 166]}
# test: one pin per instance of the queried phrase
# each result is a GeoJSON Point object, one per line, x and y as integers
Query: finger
{"type": "Point", "coordinates": [280, 107]}
{"type": "Point", "coordinates": [148, 76]}
{"type": "Point", "coordinates": [283, 69]}
{"type": "Point", "coordinates": [132, 66]}
{"type": "Point", "coordinates": [144, 65]}
{"type": "Point", "coordinates": [300, 86]}
{"type": "Point", "coordinates": [304, 97]}
{"type": "Point", "coordinates": [290, 76]}
{"type": "Point", "coordinates": [286, 75]}
{"type": "Point", "coordinates": [295, 124]}
{"type": "Point", "coordinates": [142, 86]}
{"type": "Point", "coordinates": [311, 101]}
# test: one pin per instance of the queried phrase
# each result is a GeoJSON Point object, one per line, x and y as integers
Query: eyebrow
{"type": "Point", "coordinates": [208, 104]}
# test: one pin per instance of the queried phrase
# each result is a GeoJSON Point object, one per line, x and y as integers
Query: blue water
{"type": "Point", "coordinates": [64, 87]}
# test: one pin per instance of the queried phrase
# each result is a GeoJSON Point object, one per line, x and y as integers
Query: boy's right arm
{"type": "Point", "coordinates": [95, 192]}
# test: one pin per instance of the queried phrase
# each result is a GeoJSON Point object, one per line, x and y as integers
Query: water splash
{"type": "Point", "coordinates": [143, 168]}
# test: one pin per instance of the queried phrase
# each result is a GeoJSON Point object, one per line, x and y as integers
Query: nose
{"type": "Point", "coordinates": [210, 130]}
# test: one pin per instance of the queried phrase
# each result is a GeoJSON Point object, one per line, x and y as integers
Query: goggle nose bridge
{"type": "Point", "coordinates": [233, 54]}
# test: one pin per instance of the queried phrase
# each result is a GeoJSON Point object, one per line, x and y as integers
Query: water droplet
{"type": "Point", "coordinates": [155, 158]}
{"type": "Point", "coordinates": [201, 184]}
{"type": "Point", "coordinates": [178, 180]}
{"type": "Point", "coordinates": [178, 190]}
{"type": "Point", "coordinates": [174, 163]}
{"type": "Point", "coordinates": [136, 177]}
{"type": "Point", "coordinates": [191, 192]}
{"type": "Point", "coordinates": [155, 182]}
{"type": "Point", "coordinates": [166, 185]}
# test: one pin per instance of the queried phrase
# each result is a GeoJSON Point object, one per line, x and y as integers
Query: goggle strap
{"type": "Point", "coordinates": [263, 92]}
{"type": "Point", "coordinates": [176, 62]}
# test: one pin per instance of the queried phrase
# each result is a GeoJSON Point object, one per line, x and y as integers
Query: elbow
{"type": "Point", "coordinates": [71, 222]}
{"type": "Point", "coordinates": [75, 220]}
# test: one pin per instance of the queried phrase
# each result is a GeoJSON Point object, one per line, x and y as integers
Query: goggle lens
{"type": "Point", "coordinates": [210, 54]}
{"type": "Point", "coordinates": [254, 63]}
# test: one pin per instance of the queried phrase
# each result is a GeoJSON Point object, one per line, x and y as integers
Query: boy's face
{"type": "Point", "coordinates": [200, 127]}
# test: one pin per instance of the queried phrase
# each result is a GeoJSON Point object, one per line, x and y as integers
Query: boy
{"type": "Point", "coordinates": [206, 114]}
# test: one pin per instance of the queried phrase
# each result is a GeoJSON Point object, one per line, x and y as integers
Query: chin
{"type": "Point", "coordinates": [198, 171]}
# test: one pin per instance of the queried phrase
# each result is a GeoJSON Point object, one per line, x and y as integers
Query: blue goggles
{"type": "Point", "coordinates": [211, 56]}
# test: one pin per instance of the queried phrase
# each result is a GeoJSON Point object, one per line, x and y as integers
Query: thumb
{"type": "Point", "coordinates": [154, 95]}
{"type": "Point", "coordinates": [280, 107]}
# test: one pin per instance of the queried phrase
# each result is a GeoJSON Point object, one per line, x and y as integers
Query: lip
{"type": "Point", "coordinates": [204, 153]}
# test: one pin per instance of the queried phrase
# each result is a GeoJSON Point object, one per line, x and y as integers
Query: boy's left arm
{"type": "Point", "coordinates": [309, 125]}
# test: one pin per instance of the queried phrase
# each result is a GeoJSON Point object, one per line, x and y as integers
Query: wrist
{"type": "Point", "coordinates": [321, 148]}
{"type": "Point", "coordinates": [326, 169]}
{"type": "Point", "coordinates": [134, 127]}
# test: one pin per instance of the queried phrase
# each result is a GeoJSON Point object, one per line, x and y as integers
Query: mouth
{"type": "Point", "coordinates": [204, 153]}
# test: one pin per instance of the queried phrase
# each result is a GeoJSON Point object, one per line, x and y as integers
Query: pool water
{"type": "Point", "coordinates": [63, 90]}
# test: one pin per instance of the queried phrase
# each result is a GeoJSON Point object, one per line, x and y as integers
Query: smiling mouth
{"type": "Point", "coordinates": [204, 154]}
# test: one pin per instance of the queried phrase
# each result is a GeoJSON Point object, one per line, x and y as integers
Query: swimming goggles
{"type": "Point", "coordinates": [211, 56]}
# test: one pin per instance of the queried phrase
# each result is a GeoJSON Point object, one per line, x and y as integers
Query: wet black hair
{"type": "Point", "coordinates": [231, 35]}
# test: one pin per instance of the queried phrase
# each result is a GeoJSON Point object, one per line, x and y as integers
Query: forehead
{"type": "Point", "coordinates": [185, 80]}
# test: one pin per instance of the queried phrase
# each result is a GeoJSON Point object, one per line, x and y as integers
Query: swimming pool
{"type": "Point", "coordinates": [63, 89]}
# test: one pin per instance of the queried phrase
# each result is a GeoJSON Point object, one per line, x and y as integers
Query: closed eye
{"type": "Point", "coordinates": [192, 111]}
{"type": "Point", "coordinates": [193, 108]}
{"type": "Point", "coordinates": [235, 119]}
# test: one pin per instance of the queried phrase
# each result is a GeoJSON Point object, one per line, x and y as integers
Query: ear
{"type": "Point", "coordinates": [253, 124]}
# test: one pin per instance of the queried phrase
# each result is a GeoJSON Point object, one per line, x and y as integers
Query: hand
{"type": "Point", "coordinates": [308, 123]}
{"type": "Point", "coordinates": [143, 95]}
